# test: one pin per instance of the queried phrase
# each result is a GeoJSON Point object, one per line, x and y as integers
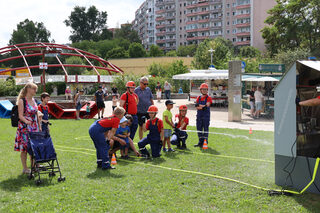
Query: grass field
{"type": "Point", "coordinates": [176, 182]}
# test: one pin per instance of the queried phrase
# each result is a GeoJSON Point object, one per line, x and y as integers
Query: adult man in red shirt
{"type": "Point", "coordinates": [311, 102]}
{"type": "Point", "coordinates": [129, 101]}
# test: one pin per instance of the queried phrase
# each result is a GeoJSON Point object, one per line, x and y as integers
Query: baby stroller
{"type": "Point", "coordinates": [43, 156]}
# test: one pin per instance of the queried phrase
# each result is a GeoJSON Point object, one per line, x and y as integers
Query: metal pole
{"type": "Point", "coordinates": [43, 73]}
{"type": "Point", "coordinates": [211, 53]}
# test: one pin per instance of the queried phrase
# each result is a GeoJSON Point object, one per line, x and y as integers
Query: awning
{"type": "Point", "coordinates": [262, 78]}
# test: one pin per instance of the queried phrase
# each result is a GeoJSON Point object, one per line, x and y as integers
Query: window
{"type": "Point", "coordinates": [234, 39]}
{"type": "Point", "coordinates": [233, 13]}
{"type": "Point", "coordinates": [228, 14]}
{"type": "Point", "coordinates": [228, 31]}
{"type": "Point", "coordinates": [228, 5]}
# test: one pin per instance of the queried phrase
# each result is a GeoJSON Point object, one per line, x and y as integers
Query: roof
{"type": "Point", "coordinates": [312, 64]}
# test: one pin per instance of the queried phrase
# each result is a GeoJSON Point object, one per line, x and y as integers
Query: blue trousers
{"type": "Point", "coordinates": [203, 126]}
{"type": "Point", "coordinates": [134, 126]}
{"type": "Point", "coordinates": [155, 146]}
{"type": "Point", "coordinates": [102, 147]}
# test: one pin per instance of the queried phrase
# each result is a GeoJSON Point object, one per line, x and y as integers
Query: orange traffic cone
{"type": "Point", "coordinates": [205, 144]}
{"type": "Point", "coordinates": [250, 131]}
{"type": "Point", "coordinates": [113, 160]}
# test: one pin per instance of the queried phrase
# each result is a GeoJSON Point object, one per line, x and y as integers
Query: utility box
{"type": "Point", "coordinates": [234, 91]}
{"type": "Point", "coordinates": [297, 129]}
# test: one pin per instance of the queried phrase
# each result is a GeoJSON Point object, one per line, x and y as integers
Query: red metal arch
{"type": "Point", "coordinates": [65, 50]}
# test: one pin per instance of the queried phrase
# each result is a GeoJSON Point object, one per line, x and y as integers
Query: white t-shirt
{"type": "Point", "coordinates": [258, 96]}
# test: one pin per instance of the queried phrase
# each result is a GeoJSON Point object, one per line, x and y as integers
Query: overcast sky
{"type": "Point", "coordinates": [53, 12]}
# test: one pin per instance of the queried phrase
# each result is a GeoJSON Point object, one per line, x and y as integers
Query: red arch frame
{"type": "Point", "coordinates": [40, 46]}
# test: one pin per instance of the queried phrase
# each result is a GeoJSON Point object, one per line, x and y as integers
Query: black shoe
{"type": "Point", "coordinates": [183, 146]}
{"type": "Point", "coordinates": [197, 145]}
{"type": "Point", "coordinates": [107, 168]}
{"type": "Point", "coordinates": [98, 117]}
{"type": "Point", "coordinates": [99, 166]}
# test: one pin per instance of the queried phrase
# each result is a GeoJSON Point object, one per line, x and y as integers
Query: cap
{"type": "Point", "coordinates": [183, 107]}
{"type": "Point", "coordinates": [100, 87]}
{"type": "Point", "coordinates": [81, 90]}
{"type": "Point", "coordinates": [123, 119]}
{"type": "Point", "coordinates": [169, 102]}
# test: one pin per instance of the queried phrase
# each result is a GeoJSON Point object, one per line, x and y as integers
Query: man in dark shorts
{"type": "Point", "coordinates": [99, 99]}
{"type": "Point", "coordinates": [145, 100]}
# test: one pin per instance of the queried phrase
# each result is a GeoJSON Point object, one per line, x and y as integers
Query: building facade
{"type": "Point", "coordinates": [184, 22]}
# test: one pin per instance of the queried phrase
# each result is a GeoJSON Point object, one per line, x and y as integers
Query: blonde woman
{"type": "Point", "coordinates": [29, 121]}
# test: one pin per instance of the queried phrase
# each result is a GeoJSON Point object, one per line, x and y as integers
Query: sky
{"type": "Point", "coordinates": [53, 12]}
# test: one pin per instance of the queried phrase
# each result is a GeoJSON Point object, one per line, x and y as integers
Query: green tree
{"type": "Point", "coordinates": [249, 52]}
{"type": "Point", "coordinates": [155, 51]}
{"type": "Point", "coordinates": [128, 33]}
{"type": "Point", "coordinates": [291, 56]}
{"type": "Point", "coordinates": [29, 31]}
{"type": "Point", "coordinates": [117, 52]}
{"type": "Point", "coordinates": [176, 68]}
{"type": "Point", "coordinates": [171, 53]}
{"type": "Point", "coordinates": [86, 25]}
{"type": "Point", "coordinates": [156, 69]}
{"type": "Point", "coordinates": [187, 50]}
{"type": "Point", "coordinates": [75, 70]}
{"type": "Point", "coordinates": [223, 51]}
{"type": "Point", "coordinates": [293, 24]}
{"type": "Point", "coordinates": [136, 50]}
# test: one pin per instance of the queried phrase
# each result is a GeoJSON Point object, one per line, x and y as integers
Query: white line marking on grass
{"type": "Point", "coordinates": [85, 137]}
{"type": "Point", "coordinates": [180, 170]}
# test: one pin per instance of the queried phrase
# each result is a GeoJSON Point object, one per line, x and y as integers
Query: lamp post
{"type": "Point", "coordinates": [211, 54]}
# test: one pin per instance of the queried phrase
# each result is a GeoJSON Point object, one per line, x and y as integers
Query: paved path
{"type": "Point", "coordinates": [219, 116]}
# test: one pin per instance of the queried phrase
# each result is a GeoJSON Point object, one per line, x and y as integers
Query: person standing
{"type": "Point", "coordinates": [252, 101]}
{"type": "Point", "coordinates": [129, 101]}
{"type": "Point", "coordinates": [158, 91]}
{"type": "Point", "coordinates": [258, 97]}
{"type": "Point", "coordinates": [203, 104]}
{"type": "Point", "coordinates": [99, 99]}
{"type": "Point", "coordinates": [167, 90]}
{"type": "Point", "coordinates": [28, 121]}
{"type": "Point", "coordinates": [145, 100]}
{"type": "Point", "coordinates": [114, 90]}
{"type": "Point", "coordinates": [77, 103]}
{"type": "Point", "coordinates": [67, 93]}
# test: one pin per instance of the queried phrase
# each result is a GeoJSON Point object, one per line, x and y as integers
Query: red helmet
{"type": "Point", "coordinates": [130, 84]}
{"type": "Point", "coordinates": [204, 86]}
{"type": "Point", "coordinates": [183, 107]}
{"type": "Point", "coordinates": [153, 108]}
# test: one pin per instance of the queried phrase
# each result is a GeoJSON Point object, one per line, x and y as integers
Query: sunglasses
{"type": "Point", "coordinates": [146, 84]}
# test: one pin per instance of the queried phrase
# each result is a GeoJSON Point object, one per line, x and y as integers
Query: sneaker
{"type": "Point", "coordinates": [101, 116]}
{"type": "Point", "coordinates": [197, 145]}
{"type": "Point", "coordinates": [98, 117]}
{"type": "Point", "coordinates": [164, 150]}
{"type": "Point", "coordinates": [170, 150]}
{"type": "Point", "coordinates": [183, 146]}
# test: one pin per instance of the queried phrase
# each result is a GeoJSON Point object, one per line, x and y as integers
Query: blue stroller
{"type": "Point", "coordinates": [43, 156]}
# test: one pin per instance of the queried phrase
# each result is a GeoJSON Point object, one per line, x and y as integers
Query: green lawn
{"type": "Point", "coordinates": [175, 182]}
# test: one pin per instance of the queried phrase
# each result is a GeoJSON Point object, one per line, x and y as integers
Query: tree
{"type": "Point", "coordinates": [29, 31]}
{"type": "Point", "coordinates": [75, 70]}
{"type": "Point", "coordinates": [289, 57]}
{"type": "Point", "coordinates": [293, 24]}
{"type": "Point", "coordinates": [155, 51]}
{"type": "Point", "coordinates": [136, 50]}
{"type": "Point", "coordinates": [223, 50]}
{"type": "Point", "coordinates": [128, 33]}
{"type": "Point", "coordinates": [87, 25]}
{"type": "Point", "coordinates": [176, 68]}
{"type": "Point", "coordinates": [117, 52]}
{"type": "Point", "coordinates": [187, 50]}
{"type": "Point", "coordinates": [249, 52]}
{"type": "Point", "coordinates": [171, 53]}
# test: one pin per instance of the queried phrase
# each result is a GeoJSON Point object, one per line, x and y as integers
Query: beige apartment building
{"type": "Point", "coordinates": [184, 22]}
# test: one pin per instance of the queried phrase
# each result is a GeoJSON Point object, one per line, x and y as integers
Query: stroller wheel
{"type": "Point", "coordinates": [52, 174]}
{"type": "Point", "coordinates": [61, 179]}
{"type": "Point", "coordinates": [38, 182]}
{"type": "Point", "coordinates": [30, 176]}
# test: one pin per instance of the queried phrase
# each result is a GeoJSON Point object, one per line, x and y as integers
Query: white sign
{"type": "Point", "coordinates": [51, 54]}
{"type": "Point", "coordinates": [43, 65]}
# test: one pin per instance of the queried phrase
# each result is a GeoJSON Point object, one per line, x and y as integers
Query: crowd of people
{"type": "Point", "coordinates": [117, 131]}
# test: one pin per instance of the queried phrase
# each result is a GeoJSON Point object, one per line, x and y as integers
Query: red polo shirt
{"type": "Point", "coordinates": [132, 104]}
{"type": "Point", "coordinates": [185, 120]}
{"type": "Point", "coordinates": [160, 124]}
{"type": "Point", "coordinates": [109, 122]}
{"type": "Point", "coordinates": [202, 98]}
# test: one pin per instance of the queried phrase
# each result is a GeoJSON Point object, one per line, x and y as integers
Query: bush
{"type": "Point", "coordinates": [121, 81]}
{"type": "Point", "coordinates": [8, 87]}
{"type": "Point", "coordinates": [74, 70]}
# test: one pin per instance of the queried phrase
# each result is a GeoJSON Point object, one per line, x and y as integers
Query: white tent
{"type": "Point", "coordinates": [265, 78]}
{"type": "Point", "coordinates": [203, 75]}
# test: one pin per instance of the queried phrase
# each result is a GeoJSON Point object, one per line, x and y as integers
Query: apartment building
{"type": "Point", "coordinates": [184, 22]}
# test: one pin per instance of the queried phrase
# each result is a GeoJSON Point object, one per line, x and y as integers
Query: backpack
{"type": "Point", "coordinates": [15, 114]}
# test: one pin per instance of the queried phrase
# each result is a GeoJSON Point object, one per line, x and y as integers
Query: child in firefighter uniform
{"type": "Point", "coordinates": [180, 136]}
{"type": "Point", "coordinates": [203, 104]}
{"type": "Point", "coordinates": [155, 136]}
{"type": "Point", "coordinates": [101, 131]}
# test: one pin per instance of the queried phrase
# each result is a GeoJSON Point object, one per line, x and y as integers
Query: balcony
{"type": "Point", "coordinates": [218, 18]}
{"type": "Point", "coordinates": [191, 30]}
{"type": "Point", "coordinates": [171, 40]}
{"type": "Point", "coordinates": [204, 12]}
{"type": "Point", "coordinates": [160, 26]}
{"type": "Point", "coordinates": [197, 38]}
{"type": "Point", "coordinates": [171, 9]}
{"type": "Point", "coordinates": [203, 29]}
{"type": "Point", "coordinates": [192, 22]}
{"type": "Point", "coordinates": [244, 6]}
{"type": "Point", "coordinates": [204, 20]}
{"type": "Point", "coordinates": [160, 41]}
{"type": "Point", "coordinates": [170, 32]}
{"type": "Point", "coordinates": [160, 11]}
{"type": "Point", "coordinates": [161, 33]}
{"type": "Point", "coordinates": [192, 14]}
{"type": "Point", "coordinates": [160, 19]}
{"type": "Point", "coordinates": [170, 17]}
{"type": "Point", "coordinates": [242, 34]}
{"type": "Point", "coordinates": [243, 16]}
{"type": "Point", "coordinates": [171, 25]}
{"type": "Point", "coordinates": [240, 43]}
{"type": "Point", "coordinates": [243, 25]}
{"type": "Point", "coordinates": [197, 5]}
